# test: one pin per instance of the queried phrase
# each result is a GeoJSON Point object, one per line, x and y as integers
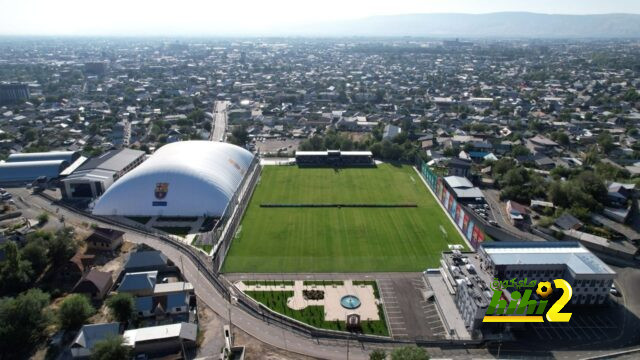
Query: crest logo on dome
{"type": "Point", "coordinates": [161, 190]}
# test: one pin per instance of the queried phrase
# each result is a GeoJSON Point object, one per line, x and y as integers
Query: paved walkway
{"type": "Point", "coordinates": [333, 310]}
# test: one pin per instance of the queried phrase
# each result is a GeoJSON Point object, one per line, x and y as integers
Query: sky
{"type": "Point", "coordinates": [247, 17]}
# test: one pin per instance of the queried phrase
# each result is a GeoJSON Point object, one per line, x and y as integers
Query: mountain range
{"type": "Point", "coordinates": [501, 25]}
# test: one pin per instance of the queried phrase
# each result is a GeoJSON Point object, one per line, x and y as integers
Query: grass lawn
{"type": "Point", "coordinates": [175, 230]}
{"type": "Point", "coordinates": [314, 315]}
{"type": "Point", "coordinates": [141, 219]}
{"type": "Point", "coordinates": [341, 239]}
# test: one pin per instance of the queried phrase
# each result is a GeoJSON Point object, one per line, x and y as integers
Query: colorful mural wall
{"type": "Point", "coordinates": [463, 221]}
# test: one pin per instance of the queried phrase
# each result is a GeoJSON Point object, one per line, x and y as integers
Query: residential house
{"type": "Point", "coordinates": [540, 144]}
{"type": "Point", "coordinates": [139, 283]}
{"type": "Point", "coordinates": [146, 261]}
{"type": "Point", "coordinates": [164, 339]}
{"type": "Point", "coordinates": [568, 222]}
{"type": "Point", "coordinates": [390, 132]}
{"type": "Point", "coordinates": [76, 267]}
{"type": "Point", "coordinates": [95, 284]}
{"type": "Point", "coordinates": [459, 167]}
{"type": "Point", "coordinates": [105, 239]}
{"type": "Point", "coordinates": [89, 335]}
{"type": "Point", "coordinates": [517, 213]}
{"type": "Point", "coordinates": [163, 305]}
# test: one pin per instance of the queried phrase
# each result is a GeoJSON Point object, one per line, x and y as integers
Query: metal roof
{"type": "Point", "coordinates": [575, 256]}
{"type": "Point", "coordinates": [458, 182]}
{"type": "Point", "coordinates": [69, 156]}
{"type": "Point", "coordinates": [146, 259]}
{"type": "Point", "coordinates": [91, 334]}
{"type": "Point", "coordinates": [186, 331]}
{"type": "Point", "coordinates": [31, 170]}
{"type": "Point", "coordinates": [138, 281]}
{"type": "Point", "coordinates": [114, 160]}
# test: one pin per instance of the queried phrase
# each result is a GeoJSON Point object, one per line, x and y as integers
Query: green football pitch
{"type": "Point", "coordinates": [286, 240]}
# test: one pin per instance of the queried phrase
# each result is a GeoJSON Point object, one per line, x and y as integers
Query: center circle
{"type": "Point", "coordinates": [350, 302]}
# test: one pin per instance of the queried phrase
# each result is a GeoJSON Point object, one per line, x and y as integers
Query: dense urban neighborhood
{"type": "Point", "coordinates": [231, 198]}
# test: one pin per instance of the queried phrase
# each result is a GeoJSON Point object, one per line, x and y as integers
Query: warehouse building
{"type": "Point", "coordinates": [334, 158]}
{"type": "Point", "coordinates": [188, 178]}
{"type": "Point", "coordinates": [94, 177]}
{"type": "Point", "coordinates": [24, 168]}
{"type": "Point", "coordinates": [68, 156]}
{"type": "Point", "coordinates": [14, 173]}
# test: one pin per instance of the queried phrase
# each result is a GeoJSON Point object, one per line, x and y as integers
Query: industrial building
{"type": "Point", "coordinates": [334, 158]}
{"type": "Point", "coordinates": [28, 171]}
{"type": "Point", "coordinates": [94, 177]}
{"type": "Point", "coordinates": [13, 92]}
{"type": "Point", "coordinates": [68, 156]}
{"type": "Point", "coordinates": [26, 167]}
{"type": "Point", "coordinates": [188, 178]}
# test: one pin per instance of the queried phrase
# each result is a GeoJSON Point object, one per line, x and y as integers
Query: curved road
{"type": "Point", "coordinates": [260, 330]}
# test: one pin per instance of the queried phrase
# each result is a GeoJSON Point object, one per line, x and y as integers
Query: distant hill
{"type": "Point", "coordinates": [504, 24]}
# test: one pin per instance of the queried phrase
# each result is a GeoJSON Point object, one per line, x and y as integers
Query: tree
{"type": "Point", "coordinates": [409, 353]}
{"type": "Point", "coordinates": [22, 322]}
{"type": "Point", "coordinates": [605, 141]}
{"type": "Point", "coordinates": [43, 218]}
{"type": "Point", "coordinates": [122, 306]}
{"type": "Point", "coordinates": [36, 253]}
{"type": "Point", "coordinates": [74, 311]}
{"type": "Point", "coordinates": [378, 355]}
{"type": "Point", "coordinates": [239, 135]}
{"type": "Point", "coordinates": [112, 348]}
{"type": "Point", "coordinates": [62, 246]}
{"type": "Point", "coordinates": [519, 150]}
{"type": "Point", "coordinates": [15, 273]}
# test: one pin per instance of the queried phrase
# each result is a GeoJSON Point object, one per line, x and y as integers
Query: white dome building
{"type": "Point", "coordinates": [188, 178]}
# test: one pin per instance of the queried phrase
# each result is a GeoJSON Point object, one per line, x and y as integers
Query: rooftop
{"type": "Point", "coordinates": [577, 258]}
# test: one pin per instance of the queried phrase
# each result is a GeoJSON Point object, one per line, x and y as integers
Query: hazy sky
{"type": "Point", "coordinates": [247, 17]}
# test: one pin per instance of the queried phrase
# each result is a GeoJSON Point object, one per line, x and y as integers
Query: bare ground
{"type": "Point", "coordinates": [213, 340]}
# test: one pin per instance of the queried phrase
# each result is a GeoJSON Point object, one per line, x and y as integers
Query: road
{"type": "Point", "coordinates": [219, 122]}
{"type": "Point", "coordinates": [502, 218]}
{"type": "Point", "coordinates": [333, 349]}
{"type": "Point", "coordinates": [260, 330]}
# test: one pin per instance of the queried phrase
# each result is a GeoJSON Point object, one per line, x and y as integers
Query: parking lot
{"type": "Point", "coordinates": [409, 315]}
{"type": "Point", "coordinates": [272, 146]}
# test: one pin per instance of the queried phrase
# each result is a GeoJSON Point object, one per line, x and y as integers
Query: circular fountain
{"type": "Point", "coordinates": [350, 302]}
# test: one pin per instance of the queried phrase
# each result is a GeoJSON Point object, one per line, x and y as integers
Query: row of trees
{"type": "Point", "coordinates": [580, 191]}
{"type": "Point", "coordinates": [43, 250]}
{"type": "Point", "coordinates": [24, 320]}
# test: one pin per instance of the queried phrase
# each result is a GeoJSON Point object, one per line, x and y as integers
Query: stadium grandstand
{"type": "Point", "coordinates": [187, 178]}
{"type": "Point", "coordinates": [334, 158]}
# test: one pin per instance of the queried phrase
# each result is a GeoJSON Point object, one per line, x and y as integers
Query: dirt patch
{"type": "Point", "coordinates": [213, 341]}
{"type": "Point", "coordinates": [114, 264]}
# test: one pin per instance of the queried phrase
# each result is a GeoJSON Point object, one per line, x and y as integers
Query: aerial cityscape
{"type": "Point", "coordinates": [427, 184]}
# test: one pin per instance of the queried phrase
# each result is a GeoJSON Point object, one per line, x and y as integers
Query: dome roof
{"type": "Point", "coordinates": [188, 178]}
